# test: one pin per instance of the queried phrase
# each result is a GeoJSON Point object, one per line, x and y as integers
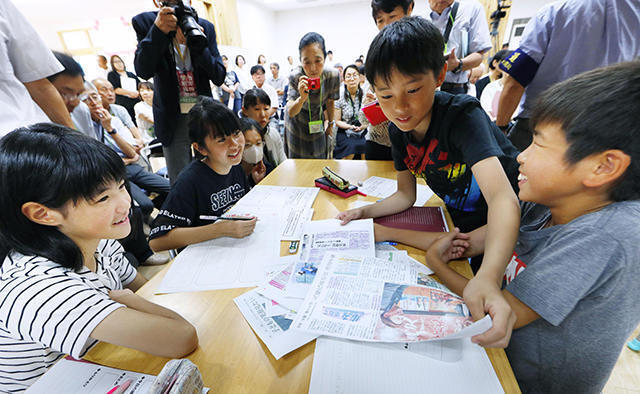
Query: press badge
{"type": "Point", "coordinates": [187, 88]}
{"type": "Point", "coordinates": [316, 127]}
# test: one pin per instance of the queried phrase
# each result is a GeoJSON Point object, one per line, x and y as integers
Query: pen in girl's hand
{"type": "Point", "coordinates": [205, 217]}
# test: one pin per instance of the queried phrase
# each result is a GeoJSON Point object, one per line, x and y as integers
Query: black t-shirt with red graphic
{"type": "Point", "coordinates": [460, 135]}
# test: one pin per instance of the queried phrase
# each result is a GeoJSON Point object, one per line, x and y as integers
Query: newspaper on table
{"type": "Point", "coordinates": [320, 237]}
{"type": "Point", "coordinates": [370, 299]}
{"type": "Point", "coordinates": [384, 187]}
{"type": "Point", "coordinates": [77, 376]}
{"type": "Point", "coordinates": [272, 329]}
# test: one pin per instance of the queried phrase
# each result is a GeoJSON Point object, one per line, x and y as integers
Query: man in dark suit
{"type": "Point", "coordinates": [180, 74]}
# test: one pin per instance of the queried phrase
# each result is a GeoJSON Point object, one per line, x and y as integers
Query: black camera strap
{"type": "Point", "coordinates": [452, 18]}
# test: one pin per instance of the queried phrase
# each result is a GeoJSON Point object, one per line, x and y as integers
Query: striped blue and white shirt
{"type": "Point", "coordinates": [47, 311]}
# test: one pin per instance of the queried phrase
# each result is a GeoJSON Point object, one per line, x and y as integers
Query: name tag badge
{"type": "Point", "coordinates": [315, 127]}
{"type": "Point", "coordinates": [187, 88]}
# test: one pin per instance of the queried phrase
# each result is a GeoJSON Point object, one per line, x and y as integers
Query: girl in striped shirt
{"type": "Point", "coordinates": [64, 282]}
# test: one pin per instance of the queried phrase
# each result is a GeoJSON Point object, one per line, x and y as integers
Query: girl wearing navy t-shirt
{"type": "Point", "coordinates": [206, 188]}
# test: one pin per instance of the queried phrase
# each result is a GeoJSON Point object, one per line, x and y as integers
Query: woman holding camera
{"type": "Point", "coordinates": [312, 90]}
{"type": "Point", "coordinates": [350, 137]}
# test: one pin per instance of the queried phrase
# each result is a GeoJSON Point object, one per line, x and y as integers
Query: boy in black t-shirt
{"type": "Point", "coordinates": [207, 187]}
{"type": "Point", "coordinates": [450, 142]}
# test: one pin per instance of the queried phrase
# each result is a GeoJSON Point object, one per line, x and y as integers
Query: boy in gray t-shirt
{"type": "Point", "coordinates": [572, 280]}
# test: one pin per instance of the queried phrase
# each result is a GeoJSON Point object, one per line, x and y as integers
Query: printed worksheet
{"type": "Point", "coordinates": [344, 366]}
{"type": "Point", "coordinates": [225, 263]}
{"type": "Point", "coordinates": [280, 196]}
{"type": "Point", "coordinates": [384, 187]}
{"type": "Point", "coordinates": [272, 329]}
{"type": "Point", "coordinates": [77, 376]}
{"type": "Point", "coordinates": [379, 300]}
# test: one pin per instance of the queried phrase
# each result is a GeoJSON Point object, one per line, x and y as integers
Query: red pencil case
{"type": "Point", "coordinates": [324, 184]}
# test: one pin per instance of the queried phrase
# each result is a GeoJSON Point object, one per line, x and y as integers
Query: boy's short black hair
{"type": "Point", "coordinates": [312, 38]}
{"type": "Point", "coordinates": [387, 6]}
{"type": "Point", "coordinates": [411, 45]}
{"type": "Point", "coordinates": [256, 68]}
{"type": "Point", "coordinates": [598, 110]}
{"type": "Point", "coordinates": [246, 123]}
{"type": "Point", "coordinates": [500, 55]}
{"type": "Point", "coordinates": [254, 97]}
{"type": "Point", "coordinates": [145, 84]}
{"type": "Point", "coordinates": [211, 117]}
{"type": "Point", "coordinates": [71, 67]}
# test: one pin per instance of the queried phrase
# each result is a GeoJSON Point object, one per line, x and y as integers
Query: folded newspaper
{"type": "Point", "coordinates": [371, 299]}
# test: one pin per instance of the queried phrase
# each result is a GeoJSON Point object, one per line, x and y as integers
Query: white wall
{"type": "Point", "coordinates": [522, 9]}
{"type": "Point", "coordinates": [347, 29]}
{"type": "Point", "coordinates": [257, 32]}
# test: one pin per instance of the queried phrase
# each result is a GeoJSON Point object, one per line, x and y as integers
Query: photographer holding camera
{"type": "Point", "coordinates": [179, 51]}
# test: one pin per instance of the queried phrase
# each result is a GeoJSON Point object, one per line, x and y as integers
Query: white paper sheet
{"type": "Point", "coordinates": [384, 187]}
{"type": "Point", "coordinates": [280, 196]}
{"type": "Point", "coordinates": [272, 330]}
{"type": "Point", "coordinates": [225, 263]}
{"type": "Point", "coordinates": [325, 236]}
{"type": "Point", "coordinates": [343, 366]}
{"type": "Point", "coordinates": [372, 299]}
{"type": "Point", "coordinates": [70, 376]}
{"type": "Point", "coordinates": [293, 223]}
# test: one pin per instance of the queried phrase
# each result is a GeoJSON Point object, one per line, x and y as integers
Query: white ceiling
{"type": "Point", "coordinates": [283, 5]}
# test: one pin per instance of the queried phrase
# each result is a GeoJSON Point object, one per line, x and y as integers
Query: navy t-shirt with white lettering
{"type": "Point", "coordinates": [199, 191]}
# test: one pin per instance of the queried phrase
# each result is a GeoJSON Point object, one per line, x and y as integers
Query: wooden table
{"type": "Point", "coordinates": [231, 357]}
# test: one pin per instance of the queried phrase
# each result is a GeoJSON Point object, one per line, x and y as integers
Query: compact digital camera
{"type": "Point", "coordinates": [313, 83]}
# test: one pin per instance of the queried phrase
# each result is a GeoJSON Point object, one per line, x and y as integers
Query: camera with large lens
{"type": "Point", "coordinates": [188, 22]}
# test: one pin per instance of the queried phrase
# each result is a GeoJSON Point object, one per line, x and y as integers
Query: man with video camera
{"type": "Point", "coordinates": [179, 51]}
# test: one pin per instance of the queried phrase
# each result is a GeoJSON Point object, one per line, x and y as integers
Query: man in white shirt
{"type": "Point", "coordinates": [26, 96]}
{"type": "Point", "coordinates": [257, 73]}
{"type": "Point", "coordinates": [277, 82]}
{"type": "Point", "coordinates": [463, 25]}
{"type": "Point", "coordinates": [105, 88]}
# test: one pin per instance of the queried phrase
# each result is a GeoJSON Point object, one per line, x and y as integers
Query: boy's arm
{"type": "Point", "coordinates": [441, 252]}
{"type": "Point", "coordinates": [417, 239]}
{"type": "Point", "coordinates": [482, 294]}
{"type": "Point", "coordinates": [399, 201]}
{"type": "Point", "coordinates": [180, 237]}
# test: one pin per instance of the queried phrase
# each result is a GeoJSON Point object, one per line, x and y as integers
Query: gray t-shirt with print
{"type": "Point", "coordinates": [582, 279]}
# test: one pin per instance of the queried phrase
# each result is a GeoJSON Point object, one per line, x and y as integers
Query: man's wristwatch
{"type": "Point", "coordinates": [112, 132]}
{"type": "Point", "coordinates": [459, 68]}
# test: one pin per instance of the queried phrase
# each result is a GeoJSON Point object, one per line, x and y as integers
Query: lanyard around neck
{"type": "Point", "coordinates": [309, 101]}
{"type": "Point", "coordinates": [182, 55]}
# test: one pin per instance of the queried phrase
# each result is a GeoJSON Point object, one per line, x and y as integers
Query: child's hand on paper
{"type": "Point", "coordinates": [352, 214]}
{"type": "Point", "coordinates": [483, 296]}
{"type": "Point", "coordinates": [237, 228]}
